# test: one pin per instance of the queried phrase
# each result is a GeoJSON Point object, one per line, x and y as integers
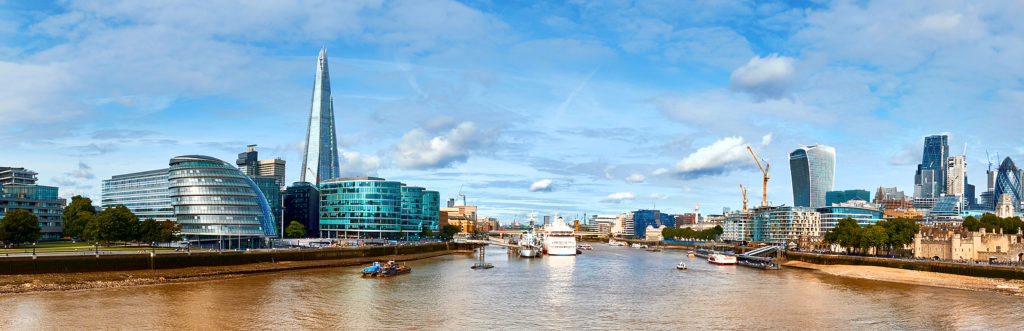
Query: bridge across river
{"type": "Point", "coordinates": [580, 235]}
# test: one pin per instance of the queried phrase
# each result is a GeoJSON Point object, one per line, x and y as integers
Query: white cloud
{"type": "Point", "coordinates": [619, 197]}
{"type": "Point", "coordinates": [543, 185]}
{"type": "Point", "coordinates": [769, 77]}
{"type": "Point", "coordinates": [658, 196]}
{"type": "Point", "coordinates": [355, 164]}
{"type": "Point", "coordinates": [635, 178]}
{"type": "Point", "coordinates": [608, 172]}
{"type": "Point", "coordinates": [939, 22]}
{"type": "Point", "coordinates": [659, 171]}
{"type": "Point", "coordinates": [719, 157]}
{"type": "Point", "coordinates": [417, 150]}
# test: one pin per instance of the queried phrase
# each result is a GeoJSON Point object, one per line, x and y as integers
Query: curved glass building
{"type": "Point", "coordinates": [431, 210]}
{"type": "Point", "coordinates": [213, 200]}
{"type": "Point", "coordinates": [360, 207]}
{"type": "Point", "coordinates": [812, 169]}
{"type": "Point", "coordinates": [1008, 182]}
{"type": "Point", "coordinates": [412, 210]}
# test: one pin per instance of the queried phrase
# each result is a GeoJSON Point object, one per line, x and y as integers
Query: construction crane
{"type": "Point", "coordinates": [764, 170]}
{"type": "Point", "coordinates": [744, 191]}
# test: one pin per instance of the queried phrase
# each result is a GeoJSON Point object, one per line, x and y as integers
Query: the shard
{"type": "Point", "coordinates": [320, 161]}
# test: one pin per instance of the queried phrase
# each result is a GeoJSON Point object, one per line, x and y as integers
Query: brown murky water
{"type": "Point", "coordinates": [608, 288]}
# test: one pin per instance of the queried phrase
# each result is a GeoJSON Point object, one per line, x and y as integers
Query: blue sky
{"type": "Point", "coordinates": [571, 108]}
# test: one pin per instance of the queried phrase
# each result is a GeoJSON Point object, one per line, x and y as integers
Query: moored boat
{"type": "Point", "coordinates": [559, 238]}
{"type": "Point", "coordinates": [721, 259]}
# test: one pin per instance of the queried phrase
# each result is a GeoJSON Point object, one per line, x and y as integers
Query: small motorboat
{"type": "Point", "coordinates": [482, 266]}
{"type": "Point", "coordinates": [681, 266]}
{"type": "Point", "coordinates": [654, 249]}
{"type": "Point", "coordinates": [586, 247]}
{"type": "Point", "coordinates": [690, 256]}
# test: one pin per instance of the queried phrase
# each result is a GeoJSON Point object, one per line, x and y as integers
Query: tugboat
{"type": "Point", "coordinates": [386, 270]}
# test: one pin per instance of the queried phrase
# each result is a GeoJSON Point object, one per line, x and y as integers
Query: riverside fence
{"type": "Point", "coordinates": [124, 262]}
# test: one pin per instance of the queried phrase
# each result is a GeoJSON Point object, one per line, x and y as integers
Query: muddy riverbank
{"type": "Point", "coordinates": [914, 277]}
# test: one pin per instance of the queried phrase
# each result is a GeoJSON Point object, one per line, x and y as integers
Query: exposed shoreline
{"type": "Point", "coordinates": [915, 277]}
{"type": "Point", "coordinates": [34, 283]}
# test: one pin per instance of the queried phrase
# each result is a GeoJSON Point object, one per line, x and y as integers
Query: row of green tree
{"type": "Point", "coordinates": [884, 235]}
{"type": "Point", "coordinates": [989, 221]}
{"type": "Point", "coordinates": [114, 224]}
{"type": "Point", "coordinates": [687, 233]}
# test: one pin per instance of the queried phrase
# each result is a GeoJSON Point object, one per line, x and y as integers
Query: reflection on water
{"type": "Point", "coordinates": [607, 288]}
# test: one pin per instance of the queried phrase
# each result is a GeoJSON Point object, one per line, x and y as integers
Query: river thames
{"type": "Point", "coordinates": [607, 288]}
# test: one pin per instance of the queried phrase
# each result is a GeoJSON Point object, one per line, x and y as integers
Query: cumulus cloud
{"type": "Point", "coordinates": [719, 157]}
{"type": "Point", "coordinates": [417, 150]}
{"type": "Point", "coordinates": [618, 197]}
{"type": "Point", "coordinates": [635, 178]}
{"type": "Point", "coordinates": [355, 164]}
{"type": "Point", "coordinates": [659, 171]}
{"type": "Point", "coordinates": [769, 77]}
{"type": "Point", "coordinates": [543, 185]}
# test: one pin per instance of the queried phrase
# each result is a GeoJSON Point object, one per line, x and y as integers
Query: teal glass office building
{"type": "Point", "coordinates": [214, 201]}
{"type": "Point", "coordinates": [812, 169]}
{"type": "Point", "coordinates": [372, 207]}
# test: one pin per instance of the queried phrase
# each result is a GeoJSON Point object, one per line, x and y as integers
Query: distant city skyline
{"type": "Point", "coordinates": [557, 108]}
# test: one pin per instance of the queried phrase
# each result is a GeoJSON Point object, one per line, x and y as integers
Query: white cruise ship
{"type": "Point", "coordinates": [559, 238]}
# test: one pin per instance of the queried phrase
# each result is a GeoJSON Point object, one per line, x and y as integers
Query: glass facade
{"type": "Point", "coordinates": [302, 204]}
{"type": "Point", "coordinates": [38, 200]}
{"type": "Point", "coordinates": [837, 197]}
{"type": "Point", "coordinates": [932, 171]}
{"type": "Point", "coordinates": [1008, 182]}
{"type": "Point", "coordinates": [363, 207]}
{"type": "Point", "coordinates": [146, 194]}
{"type": "Point", "coordinates": [371, 207]}
{"type": "Point", "coordinates": [431, 210]}
{"type": "Point", "coordinates": [786, 224]}
{"type": "Point", "coordinates": [644, 217]}
{"type": "Point", "coordinates": [214, 200]}
{"type": "Point", "coordinates": [830, 216]}
{"type": "Point", "coordinates": [320, 160]}
{"type": "Point", "coordinates": [270, 189]}
{"type": "Point", "coordinates": [812, 169]}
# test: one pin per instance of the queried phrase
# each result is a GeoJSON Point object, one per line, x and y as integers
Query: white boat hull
{"type": "Point", "coordinates": [528, 252]}
{"type": "Point", "coordinates": [720, 259]}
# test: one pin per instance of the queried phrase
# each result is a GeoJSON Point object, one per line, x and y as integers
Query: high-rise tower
{"type": "Point", "coordinates": [1008, 182]}
{"type": "Point", "coordinates": [932, 179]}
{"type": "Point", "coordinates": [320, 161]}
{"type": "Point", "coordinates": [813, 171]}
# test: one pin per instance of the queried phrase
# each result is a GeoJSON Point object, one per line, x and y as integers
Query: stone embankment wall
{"type": "Point", "coordinates": [979, 270]}
{"type": "Point", "coordinates": [124, 262]}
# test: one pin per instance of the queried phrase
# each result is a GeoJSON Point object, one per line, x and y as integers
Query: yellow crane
{"type": "Point", "coordinates": [744, 191]}
{"type": "Point", "coordinates": [764, 170]}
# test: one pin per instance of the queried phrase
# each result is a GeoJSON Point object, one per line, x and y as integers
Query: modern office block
{"type": "Point", "coordinates": [146, 193]}
{"type": "Point", "coordinates": [812, 169]}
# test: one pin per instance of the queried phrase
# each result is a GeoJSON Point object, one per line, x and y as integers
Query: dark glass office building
{"type": "Point", "coordinates": [653, 217]}
{"type": "Point", "coordinates": [931, 175]}
{"type": "Point", "coordinates": [302, 204]}
{"type": "Point", "coordinates": [38, 200]}
{"type": "Point", "coordinates": [837, 197]}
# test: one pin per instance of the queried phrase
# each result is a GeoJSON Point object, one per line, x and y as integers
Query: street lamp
{"type": "Point", "coordinates": [33, 250]}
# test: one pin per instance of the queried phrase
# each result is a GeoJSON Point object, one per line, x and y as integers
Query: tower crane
{"type": "Point", "coordinates": [744, 191]}
{"type": "Point", "coordinates": [764, 171]}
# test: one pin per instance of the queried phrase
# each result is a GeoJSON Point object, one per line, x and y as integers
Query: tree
{"type": "Point", "coordinates": [112, 224]}
{"type": "Point", "coordinates": [426, 232]}
{"type": "Point", "coordinates": [76, 216]}
{"type": "Point", "coordinates": [847, 233]}
{"type": "Point", "coordinates": [169, 231]}
{"type": "Point", "coordinates": [295, 230]}
{"type": "Point", "coordinates": [900, 231]}
{"type": "Point", "coordinates": [971, 224]}
{"type": "Point", "coordinates": [19, 226]}
{"type": "Point", "coordinates": [873, 236]}
{"type": "Point", "coordinates": [149, 231]}
{"type": "Point", "coordinates": [448, 232]}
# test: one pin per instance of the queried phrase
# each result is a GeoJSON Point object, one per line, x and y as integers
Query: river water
{"type": "Point", "coordinates": [607, 288]}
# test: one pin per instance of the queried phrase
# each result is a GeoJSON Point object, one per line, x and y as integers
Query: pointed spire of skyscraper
{"type": "Point", "coordinates": [320, 160]}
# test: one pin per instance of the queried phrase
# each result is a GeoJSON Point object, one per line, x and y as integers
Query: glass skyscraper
{"type": "Point", "coordinates": [812, 169]}
{"type": "Point", "coordinates": [931, 177]}
{"type": "Point", "coordinates": [320, 160]}
{"type": "Point", "coordinates": [213, 200]}
{"type": "Point", "coordinates": [146, 194]}
{"type": "Point", "coordinates": [302, 204]}
{"type": "Point", "coordinates": [18, 190]}
{"type": "Point", "coordinates": [1008, 182]}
